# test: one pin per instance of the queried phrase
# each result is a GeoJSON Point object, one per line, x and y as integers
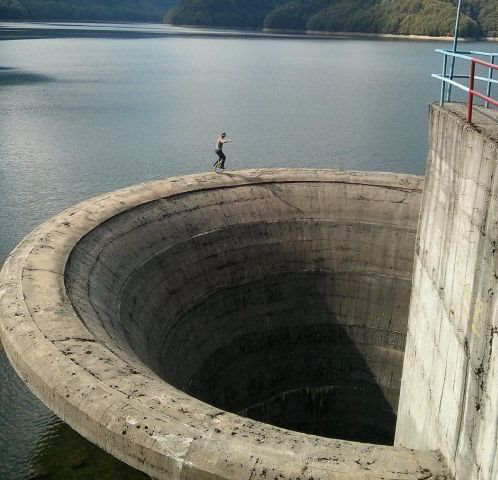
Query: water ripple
{"type": "Point", "coordinates": [35, 444]}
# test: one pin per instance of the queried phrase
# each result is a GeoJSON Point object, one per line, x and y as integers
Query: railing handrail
{"type": "Point", "coordinates": [448, 79]}
{"type": "Point", "coordinates": [486, 64]}
{"type": "Point", "coordinates": [465, 54]}
{"type": "Point", "coordinates": [450, 53]}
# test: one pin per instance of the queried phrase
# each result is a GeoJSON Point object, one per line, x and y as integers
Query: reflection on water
{"type": "Point", "coordinates": [35, 444]}
{"type": "Point", "coordinates": [13, 76]}
{"type": "Point", "coordinates": [63, 454]}
{"type": "Point", "coordinates": [23, 422]}
{"type": "Point", "coordinates": [27, 30]}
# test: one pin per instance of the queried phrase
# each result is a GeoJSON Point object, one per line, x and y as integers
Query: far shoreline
{"type": "Point", "coordinates": [262, 32]}
{"type": "Point", "coordinates": [320, 33]}
{"type": "Point", "coordinates": [387, 36]}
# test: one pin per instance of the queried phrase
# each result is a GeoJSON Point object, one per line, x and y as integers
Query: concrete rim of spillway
{"type": "Point", "coordinates": [135, 415]}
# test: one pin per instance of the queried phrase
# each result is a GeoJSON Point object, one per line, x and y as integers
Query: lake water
{"type": "Point", "coordinates": [88, 108]}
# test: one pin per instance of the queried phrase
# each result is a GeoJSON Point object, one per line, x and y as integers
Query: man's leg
{"type": "Point", "coordinates": [215, 164]}
{"type": "Point", "coordinates": [222, 158]}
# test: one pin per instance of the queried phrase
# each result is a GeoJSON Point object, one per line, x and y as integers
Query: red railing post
{"type": "Point", "coordinates": [472, 79]}
{"type": "Point", "coordinates": [471, 90]}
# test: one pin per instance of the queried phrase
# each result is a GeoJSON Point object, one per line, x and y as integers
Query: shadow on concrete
{"type": "Point", "coordinates": [298, 368]}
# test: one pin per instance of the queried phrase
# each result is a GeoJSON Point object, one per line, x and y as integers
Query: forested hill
{"type": "Point", "coordinates": [80, 10]}
{"type": "Point", "coordinates": [405, 17]}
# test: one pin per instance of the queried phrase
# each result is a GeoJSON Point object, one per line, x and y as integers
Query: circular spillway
{"type": "Point", "coordinates": [194, 326]}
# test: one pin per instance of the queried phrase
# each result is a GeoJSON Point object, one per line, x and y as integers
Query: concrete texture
{"type": "Point", "coordinates": [145, 316]}
{"type": "Point", "coordinates": [449, 397]}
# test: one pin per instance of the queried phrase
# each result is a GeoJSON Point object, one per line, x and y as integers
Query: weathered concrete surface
{"type": "Point", "coordinates": [263, 290]}
{"type": "Point", "coordinates": [107, 306]}
{"type": "Point", "coordinates": [449, 397]}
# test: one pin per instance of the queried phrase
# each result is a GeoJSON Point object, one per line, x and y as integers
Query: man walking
{"type": "Point", "coordinates": [220, 141]}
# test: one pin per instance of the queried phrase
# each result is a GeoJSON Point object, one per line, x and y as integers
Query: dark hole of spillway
{"type": "Point", "coordinates": [304, 373]}
{"type": "Point", "coordinates": [284, 302]}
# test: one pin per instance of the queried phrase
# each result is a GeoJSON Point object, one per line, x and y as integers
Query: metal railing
{"type": "Point", "coordinates": [448, 79]}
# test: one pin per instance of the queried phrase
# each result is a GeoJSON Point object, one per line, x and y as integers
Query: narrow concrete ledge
{"type": "Point", "coordinates": [484, 120]}
{"type": "Point", "coordinates": [148, 317]}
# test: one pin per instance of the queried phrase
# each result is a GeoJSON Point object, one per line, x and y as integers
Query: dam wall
{"type": "Point", "coordinates": [220, 327]}
{"type": "Point", "coordinates": [449, 394]}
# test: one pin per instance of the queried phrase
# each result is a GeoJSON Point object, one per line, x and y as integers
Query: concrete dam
{"type": "Point", "coordinates": [275, 324]}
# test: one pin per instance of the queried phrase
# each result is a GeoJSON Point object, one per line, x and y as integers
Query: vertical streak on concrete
{"type": "Point", "coordinates": [449, 390]}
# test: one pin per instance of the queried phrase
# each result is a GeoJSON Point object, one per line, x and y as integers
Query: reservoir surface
{"type": "Point", "coordinates": [89, 108]}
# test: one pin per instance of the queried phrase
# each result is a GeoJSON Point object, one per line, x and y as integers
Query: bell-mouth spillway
{"type": "Point", "coordinates": [222, 326]}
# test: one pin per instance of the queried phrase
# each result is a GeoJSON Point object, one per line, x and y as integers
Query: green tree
{"type": "Point", "coordinates": [294, 14]}
{"type": "Point", "coordinates": [12, 10]}
{"type": "Point", "coordinates": [127, 10]}
{"type": "Point", "coordinates": [488, 17]}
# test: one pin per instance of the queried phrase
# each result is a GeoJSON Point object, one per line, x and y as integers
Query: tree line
{"type": "Point", "coordinates": [404, 17]}
{"type": "Point", "coordinates": [81, 10]}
